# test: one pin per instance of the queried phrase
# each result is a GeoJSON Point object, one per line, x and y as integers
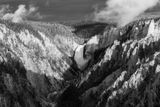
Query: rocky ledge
{"type": "Point", "coordinates": [51, 65]}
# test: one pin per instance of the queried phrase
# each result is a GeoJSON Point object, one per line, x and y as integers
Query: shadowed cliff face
{"type": "Point", "coordinates": [37, 66]}
{"type": "Point", "coordinates": [128, 74]}
{"type": "Point", "coordinates": [34, 66]}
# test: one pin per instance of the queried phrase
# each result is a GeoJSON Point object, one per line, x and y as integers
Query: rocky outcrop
{"type": "Point", "coordinates": [37, 66]}
{"type": "Point", "coordinates": [34, 67]}
{"type": "Point", "coordinates": [128, 73]}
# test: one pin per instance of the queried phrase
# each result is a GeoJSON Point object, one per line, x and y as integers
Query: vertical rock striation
{"type": "Point", "coordinates": [127, 75]}
{"type": "Point", "coordinates": [37, 66]}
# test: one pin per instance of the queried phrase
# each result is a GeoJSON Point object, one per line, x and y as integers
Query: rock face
{"type": "Point", "coordinates": [37, 66]}
{"type": "Point", "coordinates": [33, 66]}
{"type": "Point", "coordinates": [128, 73]}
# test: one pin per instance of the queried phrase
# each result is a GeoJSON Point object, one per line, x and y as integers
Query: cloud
{"type": "Point", "coordinates": [3, 9]}
{"type": "Point", "coordinates": [123, 11]}
{"type": "Point", "coordinates": [21, 14]}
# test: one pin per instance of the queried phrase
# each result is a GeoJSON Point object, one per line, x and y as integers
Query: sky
{"type": "Point", "coordinates": [58, 10]}
{"type": "Point", "coordinates": [55, 10]}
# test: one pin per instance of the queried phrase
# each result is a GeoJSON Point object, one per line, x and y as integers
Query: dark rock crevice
{"type": "Point", "coordinates": [126, 63]}
{"type": "Point", "coordinates": [124, 71]}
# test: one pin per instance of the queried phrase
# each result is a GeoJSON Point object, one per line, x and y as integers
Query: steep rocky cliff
{"type": "Point", "coordinates": [37, 66]}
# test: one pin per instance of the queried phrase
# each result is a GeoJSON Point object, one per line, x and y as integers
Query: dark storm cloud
{"type": "Point", "coordinates": [67, 9]}
{"type": "Point", "coordinates": [58, 10]}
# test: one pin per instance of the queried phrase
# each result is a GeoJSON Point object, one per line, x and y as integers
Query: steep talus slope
{"type": "Point", "coordinates": [37, 68]}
